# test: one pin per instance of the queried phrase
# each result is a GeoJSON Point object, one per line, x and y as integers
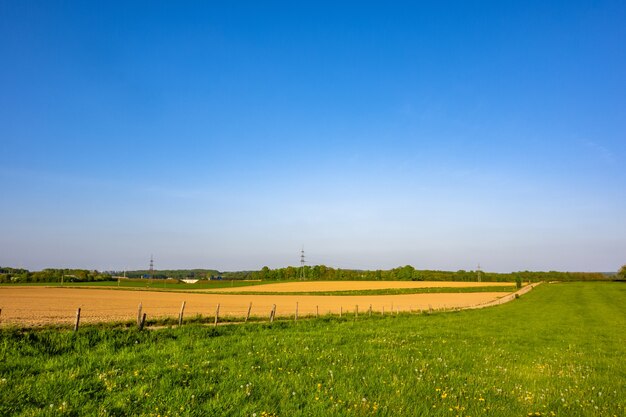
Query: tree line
{"type": "Point", "coordinates": [19, 275]}
{"type": "Point", "coordinates": [407, 273]}
{"type": "Point", "coordinates": [170, 273]}
{"type": "Point", "coordinates": [314, 273]}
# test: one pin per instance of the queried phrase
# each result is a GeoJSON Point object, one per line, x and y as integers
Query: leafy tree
{"type": "Point", "coordinates": [406, 272]}
{"type": "Point", "coordinates": [621, 274]}
{"type": "Point", "coordinates": [265, 272]}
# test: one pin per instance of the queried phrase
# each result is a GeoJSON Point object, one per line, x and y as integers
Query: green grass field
{"type": "Point", "coordinates": [557, 351]}
{"type": "Point", "coordinates": [150, 284]}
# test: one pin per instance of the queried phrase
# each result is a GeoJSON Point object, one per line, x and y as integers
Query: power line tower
{"type": "Point", "coordinates": [302, 261]}
{"type": "Point", "coordinates": [478, 272]}
{"type": "Point", "coordinates": [151, 271]}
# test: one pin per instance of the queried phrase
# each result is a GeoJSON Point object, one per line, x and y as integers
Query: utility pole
{"type": "Point", "coordinates": [478, 271]}
{"type": "Point", "coordinates": [302, 261]}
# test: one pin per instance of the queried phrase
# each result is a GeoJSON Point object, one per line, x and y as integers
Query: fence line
{"type": "Point", "coordinates": [237, 315]}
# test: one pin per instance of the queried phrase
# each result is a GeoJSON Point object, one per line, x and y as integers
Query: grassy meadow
{"type": "Point", "coordinates": [147, 284]}
{"type": "Point", "coordinates": [558, 350]}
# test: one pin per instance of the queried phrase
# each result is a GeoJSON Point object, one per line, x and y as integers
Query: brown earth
{"type": "Point", "coordinates": [321, 286]}
{"type": "Point", "coordinates": [34, 306]}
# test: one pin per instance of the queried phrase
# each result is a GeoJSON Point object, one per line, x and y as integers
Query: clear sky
{"type": "Point", "coordinates": [228, 135]}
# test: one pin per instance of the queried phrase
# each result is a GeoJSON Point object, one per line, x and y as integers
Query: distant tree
{"type": "Point", "coordinates": [405, 272]}
{"type": "Point", "coordinates": [264, 274]}
{"type": "Point", "coordinates": [290, 272]}
{"type": "Point", "coordinates": [314, 272]}
{"type": "Point", "coordinates": [621, 274]}
{"type": "Point", "coordinates": [323, 272]}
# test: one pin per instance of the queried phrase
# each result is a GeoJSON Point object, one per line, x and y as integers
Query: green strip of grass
{"type": "Point", "coordinates": [147, 284]}
{"type": "Point", "coordinates": [556, 351]}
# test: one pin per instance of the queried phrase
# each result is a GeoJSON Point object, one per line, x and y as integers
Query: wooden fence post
{"type": "Point", "coordinates": [356, 311]}
{"type": "Point", "coordinates": [296, 316]}
{"type": "Point", "coordinates": [180, 315]}
{"type": "Point", "coordinates": [383, 310]}
{"type": "Point", "coordinates": [249, 309]}
{"type": "Point", "coordinates": [317, 312]}
{"type": "Point", "coordinates": [143, 322]}
{"type": "Point", "coordinates": [273, 313]}
{"type": "Point", "coordinates": [77, 319]}
{"type": "Point", "coordinates": [370, 311]}
{"type": "Point", "coordinates": [217, 314]}
{"type": "Point", "coordinates": [340, 311]}
{"type": "Point", "coordinates": [139, 314]}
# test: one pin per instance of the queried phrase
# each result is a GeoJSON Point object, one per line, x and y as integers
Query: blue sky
{"type": "Point", "coordinates": [227, 135]}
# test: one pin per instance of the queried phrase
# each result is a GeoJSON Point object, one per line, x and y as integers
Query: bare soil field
{"type": "Point", "coordinates": [324, 286]}
{"type": "Point", "coordinates": [36, 306]}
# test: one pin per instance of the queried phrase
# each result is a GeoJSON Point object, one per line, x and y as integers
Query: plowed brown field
{"type": "Point", "coordinates": [34, 306]}
{"type": "Point", "coordinates": [322, 286]}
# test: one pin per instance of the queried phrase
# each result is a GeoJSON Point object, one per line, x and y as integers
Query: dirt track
{"type": "Point", "coordinates": [33, 306]}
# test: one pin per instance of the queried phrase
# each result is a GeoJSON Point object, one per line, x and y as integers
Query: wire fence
{"type": "Point", "coordinates": [194, 309]}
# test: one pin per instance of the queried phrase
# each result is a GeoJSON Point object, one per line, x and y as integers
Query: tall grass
{"type": "Point", "coordinates": [557, 351]}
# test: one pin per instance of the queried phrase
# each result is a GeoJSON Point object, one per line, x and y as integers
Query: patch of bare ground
{"type": "Point", "coordinates": [36, 306]}
{"type": "Point", "coordinates": [325, 286]}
